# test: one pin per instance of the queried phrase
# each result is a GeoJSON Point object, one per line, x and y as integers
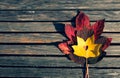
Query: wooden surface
{"type": "Point", "coordinates": [31, 29]}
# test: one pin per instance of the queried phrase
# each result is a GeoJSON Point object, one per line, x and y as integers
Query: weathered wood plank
{"type": "Point", "coordinates": [52, 67]}
{"type": "Point", "coordinates": [44, 49]}
{"type": "Point", "coordinates": [57, 73]}
{"type": "Point", "coordinates": [36, 62]}
{"type": "Point", "coordinates": [55, 15]}
{"type": "Point", "coordinates": [48, 26]}
{"type": "Point", "coordinates": [40, 72]}
{"type": "Point", "coordinates": [62, 4]}
{"type": "Point", "coordinates": [31, 38]}
{"type": "Point", "coordinates": [29, 49]}
{"type": "Point", "coordinates": [44, 37]}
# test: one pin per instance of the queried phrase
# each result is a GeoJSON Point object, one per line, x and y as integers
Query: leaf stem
{"type": "Point", "coordinates": [87, 69]}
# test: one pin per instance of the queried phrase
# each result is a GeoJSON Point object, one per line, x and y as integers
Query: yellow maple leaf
{"type": "Point", "coordinates": [87, 48]}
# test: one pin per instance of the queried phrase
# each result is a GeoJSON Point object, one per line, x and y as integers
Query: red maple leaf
{"type": "Point", "coordinates": [85, 31]}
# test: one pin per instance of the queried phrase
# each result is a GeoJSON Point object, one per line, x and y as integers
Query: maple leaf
{"type": "Point", "coordinates": [85, 40]}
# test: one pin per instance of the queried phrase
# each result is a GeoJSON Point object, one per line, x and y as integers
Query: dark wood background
{"type": "Point", "coordinates": [31, 29]}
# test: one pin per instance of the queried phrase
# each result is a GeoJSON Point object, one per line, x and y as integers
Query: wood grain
{"type": "Point", "coordinates": [44, 50]}
{"type": "Point", "coordinates": [62, 4]}
{"type": "Point", "coordinates": [54, 67]}
{"type": "Point", "coordinates": [48, 26]}
{"type": "Point", "coordinates": [56, 15]}
{"type": "Point", "coordinates": [58, 73]}
{"type": "Point", "coordinates": [44, 37]}
{"type": "Point", "coordinates": [52, 62]}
